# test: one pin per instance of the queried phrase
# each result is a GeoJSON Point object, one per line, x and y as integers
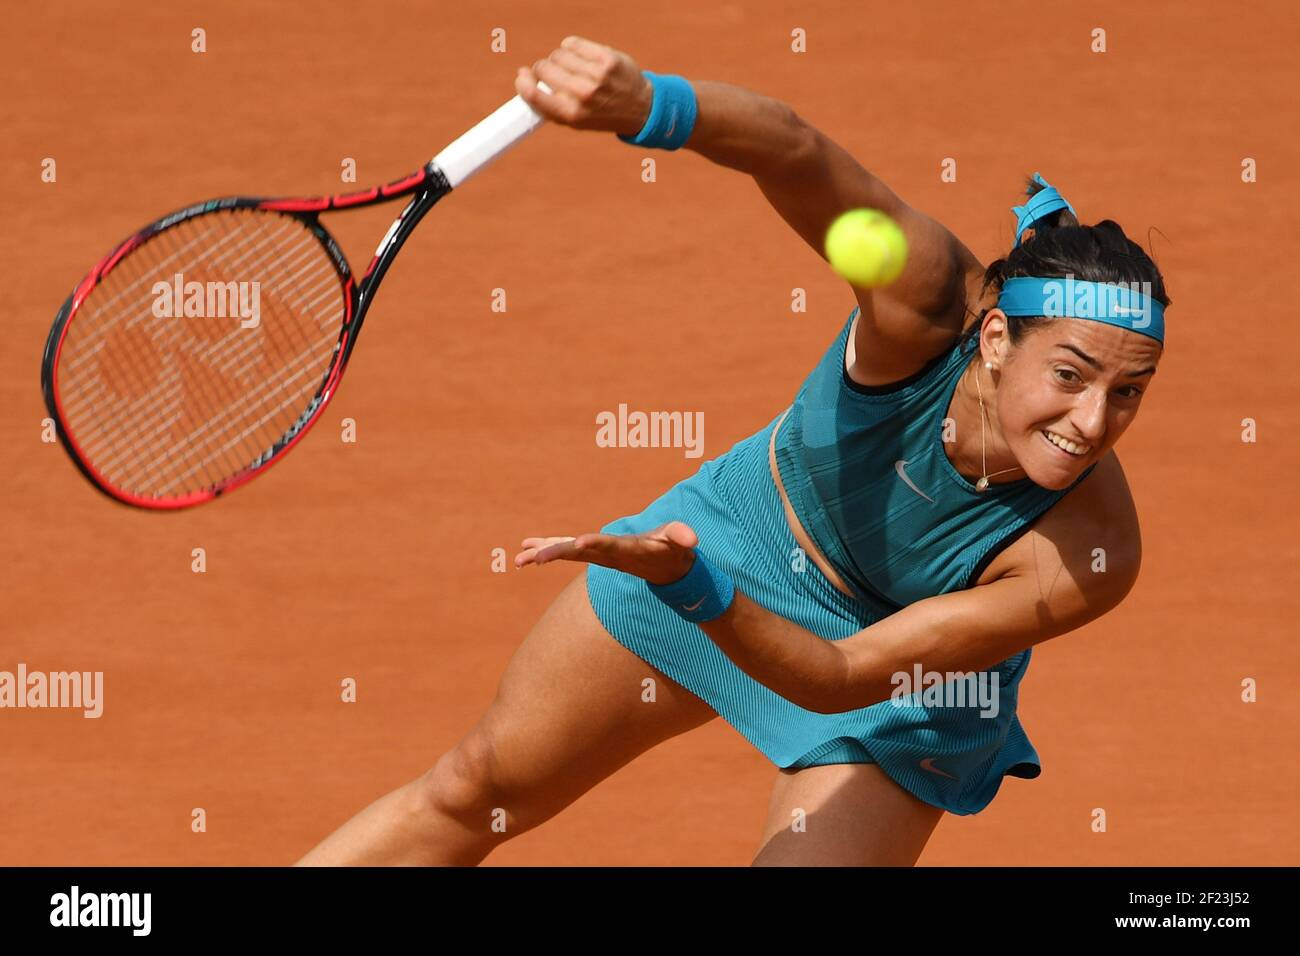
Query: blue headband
{"type": "Point", "coordinates": [1125, 305]}
{"type": "Point", "coordinates": [1047, 200]}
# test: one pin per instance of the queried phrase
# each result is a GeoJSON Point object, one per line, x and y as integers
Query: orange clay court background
{"type": "Point", "coordinates": [372, 560]}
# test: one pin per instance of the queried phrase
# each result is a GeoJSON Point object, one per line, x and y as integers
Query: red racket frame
{"type": "Point", "coordinates": [426, 186]}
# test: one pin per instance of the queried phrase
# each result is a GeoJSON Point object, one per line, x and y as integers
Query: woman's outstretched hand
{"type": "Point", "coordinates": [593, 86]}
{"type": "Point", "coordinates": [661, 556]}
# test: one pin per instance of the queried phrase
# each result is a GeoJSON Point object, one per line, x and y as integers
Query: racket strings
{"type": "Point", "coordinates": [199, 352]}
{"type": "Point", "coordinates": [197, 383]}
{"type": "Point", "coordinates": [207, 440]}
{"type": "Point", "coordinates": [227, 401]}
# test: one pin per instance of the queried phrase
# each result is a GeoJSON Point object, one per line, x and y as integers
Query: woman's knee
{"type": "Point", "coordinates": [464, 787]}
{"type": "Point", "coordinates": [459, 784]}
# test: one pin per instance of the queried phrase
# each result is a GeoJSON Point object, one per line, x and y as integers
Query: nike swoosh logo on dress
{"type": "Point", "coordinates": [928, 764]}
{"type": "Point", "coordinates": [898, 467]}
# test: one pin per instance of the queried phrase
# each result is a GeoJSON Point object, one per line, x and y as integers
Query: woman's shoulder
{"type": "Point", "coordinates": [1101, 505]}
{"type": "Point", "coordinates": [898, 333]}
{"type": "Point", "coordinates": [1091, 534]}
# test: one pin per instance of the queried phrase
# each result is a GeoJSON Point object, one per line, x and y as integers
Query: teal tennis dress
{"type": "Point", "coordinates": [866, 473]}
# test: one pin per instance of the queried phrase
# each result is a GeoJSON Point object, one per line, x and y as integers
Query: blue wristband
{"type": "Point", "coordinates": [672, 113]}
{"type": "Point", "coordinates": [703, 594]}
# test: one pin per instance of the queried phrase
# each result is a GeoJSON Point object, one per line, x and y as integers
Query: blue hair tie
{"type": "Point", "coordinates": [1047, 200]}
{"type": "Point", "coordinates": [1125, 305]}
{"type": "Point", "coordinates": [672, 113]}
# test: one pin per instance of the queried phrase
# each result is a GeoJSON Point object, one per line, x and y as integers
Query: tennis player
{"type": "Point", "coordinates": [942, 495]}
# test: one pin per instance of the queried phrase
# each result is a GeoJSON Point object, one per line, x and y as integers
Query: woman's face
{"type": "Point", "coordinates": [1072, 382]}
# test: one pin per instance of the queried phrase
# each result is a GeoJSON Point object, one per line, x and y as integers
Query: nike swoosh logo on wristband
{"type": "Point", "coordinates": [694, 606]}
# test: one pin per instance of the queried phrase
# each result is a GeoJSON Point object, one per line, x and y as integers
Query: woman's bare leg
{"type": "Point", "coordinates": [853, 815]}
{"type": "Point", "coordinates": [569, 711]}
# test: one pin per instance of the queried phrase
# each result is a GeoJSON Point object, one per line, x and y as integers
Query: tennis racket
{"type": "Point", "coordinates": [202, 348]}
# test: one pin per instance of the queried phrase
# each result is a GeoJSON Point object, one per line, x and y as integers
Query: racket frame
{"type": "Point", "coordinates": [469, 153]}
{"type": "Point", "coordinates": [425, 187]}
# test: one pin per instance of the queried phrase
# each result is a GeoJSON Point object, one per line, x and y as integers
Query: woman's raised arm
{"type": "Point", "coordinates": [806, 176]}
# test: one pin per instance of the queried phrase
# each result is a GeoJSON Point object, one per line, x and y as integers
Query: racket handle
{"type": "Point", "coordinates": [489, 139]}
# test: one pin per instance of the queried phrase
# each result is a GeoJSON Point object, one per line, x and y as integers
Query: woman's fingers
{"type": "Point", "coordinates": [614, 547]}
{"type": "Point", "coordinates": [542, 542]}
{"type": "Point", "coordinates": [596, 548]}
{"type": "Point", "coordinates": [592, 86]}
{"type": "Point", "coordinates": [556, 550]}
{"type": "Point", "coordinates": [577, 66]}
{"type": "Point", "coordinates": [572, 88]}
{"type": "Point", "coordinates": [541, 550]}
{"type": "Point", "coordinates": [588, 49]}
{"type": "Point", "coordinates": [551, 105]}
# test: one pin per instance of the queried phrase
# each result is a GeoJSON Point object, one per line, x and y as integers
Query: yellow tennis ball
{"type": "Point", "coordinates": [866, 247]}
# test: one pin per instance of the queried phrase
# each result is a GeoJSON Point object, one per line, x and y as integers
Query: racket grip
{"type": "Point", "coordinates": [489, 139]}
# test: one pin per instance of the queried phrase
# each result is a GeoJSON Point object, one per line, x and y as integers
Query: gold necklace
{"type": "Point", "coordinates": [983, 483]}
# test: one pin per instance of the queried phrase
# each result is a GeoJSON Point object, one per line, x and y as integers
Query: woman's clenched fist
{"type": "Point", "coordinates": [593, 86]}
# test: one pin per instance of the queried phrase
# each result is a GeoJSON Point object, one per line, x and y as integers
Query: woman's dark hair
{"type": "Point", "coordinates": [1060, 247]}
